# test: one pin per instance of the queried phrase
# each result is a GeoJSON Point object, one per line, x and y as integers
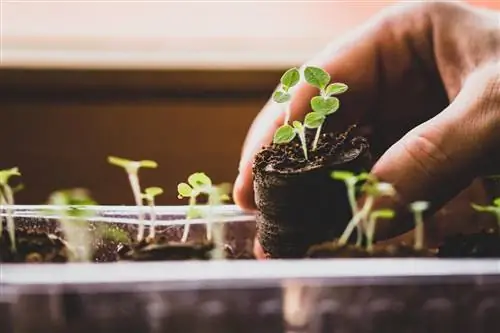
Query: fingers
{"type": "Point", "coordinates": [442, 156]}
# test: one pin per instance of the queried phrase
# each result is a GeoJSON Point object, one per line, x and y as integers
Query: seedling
{"type": "Point", "coordinates": [132, 170]}
{"type": "Point", "coordinates": [287, 133]}
{"type": "Point", "coordinates": [418, 208]}
{"type": "Point", "coordinates": [149, 195]}
{"type": "Point", "coordinates": [325, 104]}
{"type": "Point", "coordinates": [73, 220]}
{"type": "Point", "coordinates": [372, 221]}
{"type": "Point", "coordinates": [282, 94]}
{"type": "Point", "coordinates": [350, 180]}
{"type": "Point", "coordinates": [372, 189]}
{"type": "Point", "coordinates": [7, 197]}
{"type": "Point", "coordinates": [495, 209]}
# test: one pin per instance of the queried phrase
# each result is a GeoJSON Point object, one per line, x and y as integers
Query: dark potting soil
{"type": "Point", "coordinates": [484, 244]}
{"type": "Point", "coordinates": [298, 202]}
{"type": "Point", "coordinates": [33, 246]}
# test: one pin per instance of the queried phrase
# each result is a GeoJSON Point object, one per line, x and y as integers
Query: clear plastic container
{"type": "Point", "coordinates": [335, 295]}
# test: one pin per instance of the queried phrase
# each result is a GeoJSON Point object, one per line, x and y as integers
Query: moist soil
{"type": "Point", "coordinates": [298, 202]}
{"type": "Point", "coordinates": [33, 246]}
{"type": "Point", "coordinates": [484, 244]}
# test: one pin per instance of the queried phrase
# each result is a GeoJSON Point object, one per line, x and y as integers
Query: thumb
{"type": "Point", "coordinates": [441, 157]}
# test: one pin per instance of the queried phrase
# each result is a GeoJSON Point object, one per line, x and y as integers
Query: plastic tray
{"type": "Point", "coordinates": [360, 295]}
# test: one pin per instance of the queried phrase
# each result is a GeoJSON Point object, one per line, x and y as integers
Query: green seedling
{"type": "Point", "coordinates": [73, 220]}
{"type": "Point", "coordinates": [495, 209]}
{"type": "Point", "coordinates": [7, 197]}
{"type": "Point", "coordinates": [132, 170]}
{"type": "Point", "coordinates": [351, 180]}
{"type": "Point", "coordinates": [372, 221]}
{"type": "Point", "coordinates": [287, 133]}
{"type": "Point", "coordinates": [282, 94]}
{"type": "Point", "coordinates": [149, 195]}
{"type": "Point", "coordinates": [418, 208]}
{"type": "Point", "coordinates": [325, 104]}
{"type": "Point", "coordinates": [372, 189]}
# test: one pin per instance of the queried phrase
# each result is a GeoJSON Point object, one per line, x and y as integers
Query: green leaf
{"type": "Point", "coordinates": [316, 76]}
{"type": "Point", "coordinates": [298, 125]}
{"type": "Point", "coordinates": [290, 78]}
{"type": "Point", "coordinates": [314, 119]}
{"type": "Point", "coordinates": [184, 190]}
{"type": "Point", "coordinates": [118, 161]}
{"type": "Point", "coordinates": [199, 179]}
{"type": "Point", "coordinates": [130, 164]}
{"type": "Point", "coordinates": [6, 174]}
{"type": "Point", "coordinates": [193, 213]}
{"type": "Point", "coordinates": [284, 134]}
{"type": "Point", "coordinates": [281, 97]}
{"type": "Point", "coordinates": [336, 89]}
{"type": "Point", "coordinates": [419, 206]}
{"type": "Point", "coordinates": [342, 175]}
{"type": "Point", "coordinates": [153, 191]}
{"type": "Point", "coordinates": [496, 202]}
{"type": "Point", "coordinates": [325, 105]}
{"type": "Point", "coordinates": [148, 164]}
{"type": "Point", "coordinates": [383, 214]}
{"type": "Point", "coordinates": [479, 208]}
{"type": "Point", "coordinates": [76, 198]}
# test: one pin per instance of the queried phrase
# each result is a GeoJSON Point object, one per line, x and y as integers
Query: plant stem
{"type": "Point", "coordinates": [497, 213]}
{"type": "Point", "coordinates": [185, 233]}
{"type": "Point", "coordinates": [351, 195]}
{"type": "Point", "coordinates": [217, 229]}
{"type": "Point", "coordinates": [316, 138]}
{"type": "Point", "coordinates": [302, 137]}
{"type": "Point", "coordinates": [354, 222]}
{"type": "Point", "coordinates": [136, 189]}
{"type": "Point", "coordinates": [419, 231]}
{"type": "Point", "coordinates": [152, 230]}
{"type": "Point", "coordinates": [370, 232]}
{"type": "Point", "coordinates": [2, 203]}
{"type": "Point", "coordinates": [287, 113]}
{"type": "Point", "coordinates": [9, 197]}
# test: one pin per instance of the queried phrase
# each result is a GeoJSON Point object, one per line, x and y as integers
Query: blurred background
{"type": "Point", "coordinates": [175, 81]}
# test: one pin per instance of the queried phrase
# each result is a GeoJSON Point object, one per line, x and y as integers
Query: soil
{"type": "Point", "coordinates": [484, 244]}
{"type": "Point", "coordinates": [33, 246]}
{"type": "Point", "coordinates": [298, 203]}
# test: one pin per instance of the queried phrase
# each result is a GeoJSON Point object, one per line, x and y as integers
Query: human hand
{"type": "Point", "coordinates": [425, 85]}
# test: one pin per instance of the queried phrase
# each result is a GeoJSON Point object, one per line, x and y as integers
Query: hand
{"type": "Point", "coordinates": [425, 86]}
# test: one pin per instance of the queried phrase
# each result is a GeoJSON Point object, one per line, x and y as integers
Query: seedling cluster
{"type": "Point", "coordinates": [322, 105]}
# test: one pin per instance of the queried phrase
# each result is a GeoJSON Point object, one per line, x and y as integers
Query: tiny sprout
{"type": "Point", "coordinates": [495, 209]}
{"type": "Point", "coordinates": [418, 207]}
{"type": "Point", "coordinates": [282, 94]}
{"type": "Point", "coordinates": [378, 214]}
{"type": "Point", "coordinates": [149, 194]}
{"type": "Point", "coordinates": [324, 104]}
{"type": "Point", "coordinates": [132, 169]}
{"type": "Point", "coordinates": [287, 133]}
{"type": "Point", "coordinates": [350, 180]}
{"type": "Point", "coordinates": [7, 196]}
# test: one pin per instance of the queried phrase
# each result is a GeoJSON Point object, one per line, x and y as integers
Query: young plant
{"type": "Point", "coordinates": [325, 104]}
{"type": "Point", "coordinates": [132, 170]}
{"type": "Point", "coordinates": [7, 197]}
{"type": "Point", "coordinates": [282, 94]}
{"type": "Point", "coordinates": [372, 221]}
{"type": "Point", "coordinates": [495, 209]}
{"type": "Point", "coordinates": [287, 133]}
{"type": "Point", "coordinates": [372, 189]}
{"type": "Point", "coordinates": [418, 208]}
{"type": "Point", "coordinates": [350, 180]}
{"type": "Point", "coordinates": [73, 220]}
{"type": "Point", "coordinates": [149, 195]}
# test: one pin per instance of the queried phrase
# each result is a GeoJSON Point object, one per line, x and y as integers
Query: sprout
{"type": "Point", "coordinates": [378, 214]}
{"type": "Point", "coordinates": [287, 133]}
{"type": "Point", "coordinates": [149, 195]}
{"type": "Point", "coordinates": [73, 221]}
{"type": "Point", "coordinates": [350, 180]}
{"type": "Point", "coordinates": [7, 197]}
{"type": "Point", "coordinates": [418, 207]}
{"type": "Point", "coordinates": [324, 104]}
{"type": "Point", "coordinates": [373, 189]}
{"type": "Point", "coordinates": [282, 94]}
{"type": "Point", "coordinates": [132, 169]}
{"type": "Point", "coordinates": [495, 209]}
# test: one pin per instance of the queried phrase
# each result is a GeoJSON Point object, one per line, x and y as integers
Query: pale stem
{"type": "Point", "coordinates": [2, 203]}
{"type": "Point", "coordinates": [419, 230]}
{"type": "Point", "coordinates": [287, 113]}
{"type": "Point", "coordinates": [185, 233]}
{"type": "Point", "coordinates": [77, 237]}
{"type": "Point", "coordinates": [9, 197]}
{"type": "Point", "coordinates": [370, 233]}
{"type": "Point", "coordinates": [351, 195]}
{"type": "Point", "coordinates": [136, 189]}
{"type": "Point", "coordinates": [302, 137]}
{"type": "Point", "coordinates": [152, 230]}
{"type": "Point", "coordinates": [354, 222]}
{"type": "Point", "coordinates": [497, 213]}
{"type": "Point", "coordinates": [316, 138]}
{"type": "Point", "coordinates": [216, 229]}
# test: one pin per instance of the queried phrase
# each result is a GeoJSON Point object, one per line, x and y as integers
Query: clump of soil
{"type": "Point", "coordinates": [298, 202]}
{"type": "Point", "coordinates": [33, 246]}
{"type": "Point", "coordinates": [484, 244]}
